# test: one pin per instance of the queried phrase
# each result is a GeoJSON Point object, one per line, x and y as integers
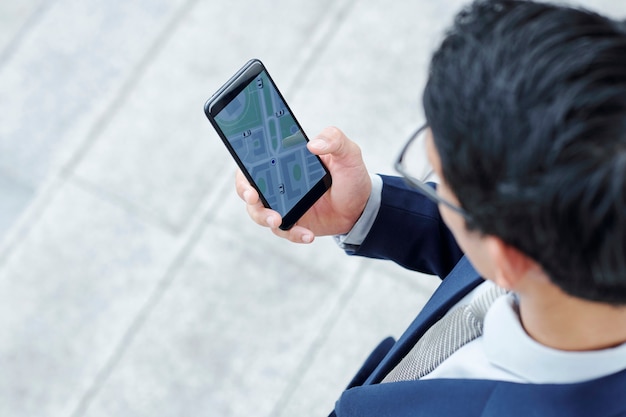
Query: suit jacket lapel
{"type": "Point", "coordinates": [461, 280]}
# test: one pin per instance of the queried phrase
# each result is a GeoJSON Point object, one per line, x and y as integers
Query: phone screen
{"type": "Point", "coordinates": [270, 144]}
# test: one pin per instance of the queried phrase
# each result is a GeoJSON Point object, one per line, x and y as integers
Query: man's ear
{"type": "Point", "coordinates": [510, 265]}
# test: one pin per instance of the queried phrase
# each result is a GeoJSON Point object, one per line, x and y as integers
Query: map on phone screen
{"type": "Point", "coordinates": [267, 140]}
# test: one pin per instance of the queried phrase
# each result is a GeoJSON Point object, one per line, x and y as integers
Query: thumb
{"type": "Point", "coordinates": [333, 141]}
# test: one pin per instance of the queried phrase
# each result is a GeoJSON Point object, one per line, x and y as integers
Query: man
{"type": "Point", "coordinates": [526, 129]}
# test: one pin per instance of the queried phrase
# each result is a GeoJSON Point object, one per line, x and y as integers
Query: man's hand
{"type": "Point", "coordinates": [338, 209]}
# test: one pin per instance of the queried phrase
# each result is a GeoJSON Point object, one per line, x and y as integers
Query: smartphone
{"type": "Point", "coordinates": [267, 142]}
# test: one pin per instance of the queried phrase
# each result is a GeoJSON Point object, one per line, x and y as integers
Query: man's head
{"type": "Point", "coordinates": [527, 105]}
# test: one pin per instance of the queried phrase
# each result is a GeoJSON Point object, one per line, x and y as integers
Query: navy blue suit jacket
{"type": "Point", "coordinates": [409, 231]}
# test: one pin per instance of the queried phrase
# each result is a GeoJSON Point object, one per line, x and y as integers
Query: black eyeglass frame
{"type": "Point", "coordinates": [420, 185]}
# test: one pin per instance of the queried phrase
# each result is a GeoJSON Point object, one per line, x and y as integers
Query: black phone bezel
{"type": "Point", "coordinates": [235, 85]}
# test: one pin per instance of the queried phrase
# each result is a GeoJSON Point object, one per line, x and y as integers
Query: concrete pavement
{"type": "Point", "coordinates": [132, 282]}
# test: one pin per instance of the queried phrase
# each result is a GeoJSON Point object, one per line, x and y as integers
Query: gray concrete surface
{"type": "Point", "coordinates": [132, 282]}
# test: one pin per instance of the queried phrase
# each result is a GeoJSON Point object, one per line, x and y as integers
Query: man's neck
{"type": "Point", "coordinates": [563, 322]}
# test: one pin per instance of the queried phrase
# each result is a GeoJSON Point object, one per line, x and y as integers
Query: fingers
{"type": "Point", "coordinates": [263, 216]}
{"type": "Point", "coordinates": [296, 234]}
{"type": "Point", "coordinates": [266, 217]}
{"type": "Point", "coordinates": [245, 191]}
{"type": "Point", "coordinates": [332, 141]}
{"type": "Point", "coordinates": [256, 210]}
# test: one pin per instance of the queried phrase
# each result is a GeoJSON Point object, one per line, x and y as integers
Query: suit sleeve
{"type": "Point", "coordinates": [409, 231]}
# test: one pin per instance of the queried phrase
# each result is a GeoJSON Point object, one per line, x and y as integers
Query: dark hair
{"type": "Point", "coordinates": [527, 105]}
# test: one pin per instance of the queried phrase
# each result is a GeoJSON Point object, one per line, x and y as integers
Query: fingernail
{"type": "Point", "coordinates": [270, 222]}
{"type": "Point", "coordinates": [246, 195]}
{"type": "Point", "coordinates": [307, 238]}
{"type": "Point", "coordinates": [318, 144]}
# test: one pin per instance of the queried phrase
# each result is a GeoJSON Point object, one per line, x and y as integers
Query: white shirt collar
{"type": "Point", "coordinates": [508, 346]}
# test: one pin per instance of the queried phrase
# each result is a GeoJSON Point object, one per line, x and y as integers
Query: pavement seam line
{"type": "Point", "coordinates": [127, 205]}
{"type": "Point", "coordinates": [193, 234]}
{"type": "Point", "coordinates": [319, 42]}
{"type": "Point", "coordinates": [51, 186]}
{"type": "Point", "coordinates": [24, 29]}
{"type": "Point", "coordinates": [137, 323]}
{"type": "Point", "coordinates": [196, 227]}
{"type": "Point", "coordinates": [314, 349]}
{"type": "Point", "coordinates": [99, 125]}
